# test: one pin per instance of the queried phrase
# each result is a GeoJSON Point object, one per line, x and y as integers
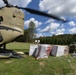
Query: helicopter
{"type": "Point", "coordinates": [12, 22]}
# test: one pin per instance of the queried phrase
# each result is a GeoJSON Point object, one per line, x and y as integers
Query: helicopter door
{"type": "Point", "coordinates": [1, 38]}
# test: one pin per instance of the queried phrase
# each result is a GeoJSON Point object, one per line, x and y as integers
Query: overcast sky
{"type": "Point", "coordinates": [46, 26]}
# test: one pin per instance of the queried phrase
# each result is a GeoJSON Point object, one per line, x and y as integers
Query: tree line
{"type": "Point", "coordinates": [29, 36]}
{"type": "Point", "coordinates": [65, 39]}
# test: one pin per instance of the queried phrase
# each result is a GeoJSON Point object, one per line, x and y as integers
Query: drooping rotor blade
{"type": "Point", "coordinates": [35, 11]}
{"type": "Point", "coordinates": [41, 13]}
{"type": "Point", "coordinates": [6, 2]}
{"type": "Point", "coordinates": [1, 8]}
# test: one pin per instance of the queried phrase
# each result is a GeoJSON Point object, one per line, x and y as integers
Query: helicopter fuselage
{"type": "Point", "coordinates": [12, 24]}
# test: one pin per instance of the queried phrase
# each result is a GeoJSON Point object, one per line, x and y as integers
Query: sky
{"type": "Point", "coordinates": [47, 26]}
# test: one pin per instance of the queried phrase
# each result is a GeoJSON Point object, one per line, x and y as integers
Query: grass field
{"type": "Point", "coordinates": [28, 65]}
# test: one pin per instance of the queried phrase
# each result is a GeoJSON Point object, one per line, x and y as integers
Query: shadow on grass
{"type": "Point", "coordinates": [22, 50]}
{"type": "Point", "coordinates": [27, 53]}
{"type": "Point", "coordinates": [19, 49]}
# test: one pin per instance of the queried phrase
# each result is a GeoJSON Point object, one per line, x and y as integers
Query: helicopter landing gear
{"type": "Point", "coordinates": [5, 53]}
{"type": "Point", "coordinates": [4, 46]}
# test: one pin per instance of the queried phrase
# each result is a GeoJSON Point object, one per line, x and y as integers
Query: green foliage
{"type": "Point", "coordinates": [29, 33]}
{"type": "Point", "coordinates": [65, 39]}
{"type": "Point", "coordinates": [60, 39]}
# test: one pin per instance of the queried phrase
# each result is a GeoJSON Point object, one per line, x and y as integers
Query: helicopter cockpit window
{"type": "Point", "coordinates": [1, 19]}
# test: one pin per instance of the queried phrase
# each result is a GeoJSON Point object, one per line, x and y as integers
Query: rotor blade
{"type": "Point", "coordinates": [1, 8]}
{"type": "Point", "coordinates": [6, 2]}
{"type": "Point", "coordinates": [41, 13]}
{"type": "Point", "coordinates": [35, 11]}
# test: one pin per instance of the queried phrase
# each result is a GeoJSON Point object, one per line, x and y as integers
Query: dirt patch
{"type": "Point", "coordinates": [8, 62]}
{"type": "Point", "coordinates": [42, 64]}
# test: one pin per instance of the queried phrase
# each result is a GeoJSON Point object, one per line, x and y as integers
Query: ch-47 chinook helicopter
{"type": "Point", "coordinates": [12, 22]}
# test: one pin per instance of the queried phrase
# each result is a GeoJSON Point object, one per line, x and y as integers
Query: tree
{"type": "Point", "coordinates": [31, 31]}
{"type": "Point", "coordinates": [26, 35]}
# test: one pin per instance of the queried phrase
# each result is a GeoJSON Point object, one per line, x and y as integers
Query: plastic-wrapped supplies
{"type": "Point", "coordinates": [59, 50]}
{"type": "Point", "coordinates": [43, 51]}
{"type": "Point", "coordinates": [33, 49]}
{"type": "Point", "coordinates": [40, 51]}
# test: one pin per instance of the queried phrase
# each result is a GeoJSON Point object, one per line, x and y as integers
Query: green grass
{"type": "Point", "coordinates": [28, 65]}
{"type": "Point", "coordinates": [18, 46]}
